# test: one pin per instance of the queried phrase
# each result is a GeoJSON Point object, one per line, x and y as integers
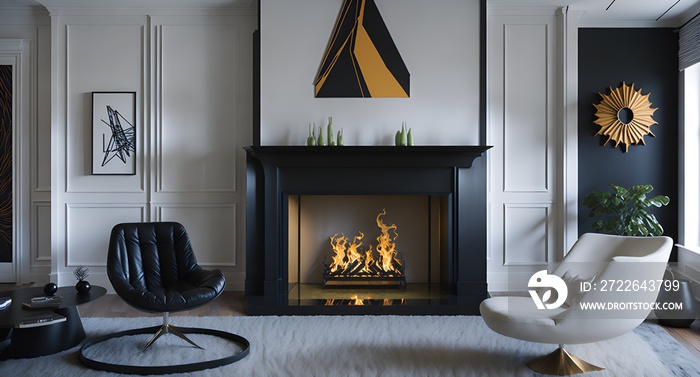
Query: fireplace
{"type": "Point", "coordinates": [444, 185]}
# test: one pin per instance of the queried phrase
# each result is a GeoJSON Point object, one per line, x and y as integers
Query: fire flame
{"type": "Point", "coordinates": [347, 259]}
{"type": "Point", "coordinates": [368, 301]}
{"type": "Point", "coordinates": [385, 245]}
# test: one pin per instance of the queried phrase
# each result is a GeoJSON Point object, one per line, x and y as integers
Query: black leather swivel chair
{"type": "Point", "coordinates": [153, 268]}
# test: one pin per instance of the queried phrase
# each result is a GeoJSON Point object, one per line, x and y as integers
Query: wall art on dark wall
{"type": "Point", "coordinates": [625, 116]}
{"type": "Point", "coordinates": [6, 163]}
{"type": "Point", "coordinates": [601, 64]}
{"type": "Point", "coordinates": [114, 133]}
{"type": "Point", "coordinates": [361, 59]}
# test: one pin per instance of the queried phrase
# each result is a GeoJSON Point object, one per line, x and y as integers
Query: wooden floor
{"type": "Point", "coordinates": [233, 304]}
{"type": "Point", "coordinates": [112, 306]}
{"type": "Point", "coordinates": [688, 337]}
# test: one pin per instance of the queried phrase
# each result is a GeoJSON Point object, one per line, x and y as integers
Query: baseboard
{"type": "Point", "coordinates": [688, 266]}
{"type": "Point", "coordinates": [235, 281]}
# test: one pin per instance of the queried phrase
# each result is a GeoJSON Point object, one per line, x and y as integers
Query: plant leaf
{"type": "Point", "coordinates": [623, 211]}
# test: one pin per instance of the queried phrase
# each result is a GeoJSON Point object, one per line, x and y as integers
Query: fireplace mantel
{"type": "Point", "coordinates": [368, 156]}
{"type": "Point", "coordinates": [453, 172]}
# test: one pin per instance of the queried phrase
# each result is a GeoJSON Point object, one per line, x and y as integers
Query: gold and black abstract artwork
{"type": "Point", "coordinates": [361, 59]}
{"type": "Point", "coordinates": [625, 116]}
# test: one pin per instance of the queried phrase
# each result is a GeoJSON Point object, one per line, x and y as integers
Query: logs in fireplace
{"type": "Point", "coordinates": [354, 264]}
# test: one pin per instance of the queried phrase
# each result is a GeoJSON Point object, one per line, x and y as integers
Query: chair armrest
{"type": "Point", "coordinates": [213, 279]}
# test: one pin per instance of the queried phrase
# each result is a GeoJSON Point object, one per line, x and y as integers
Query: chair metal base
{"type": "Point", "coordinates": [561, 363]}
{"type": "Point", "coordinates": [164, 369]}
{"type": "Point", "coordinates": [167, 328]}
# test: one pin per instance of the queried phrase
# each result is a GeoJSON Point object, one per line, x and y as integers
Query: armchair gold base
{"type": "Point", "coordinates": [561, 363]}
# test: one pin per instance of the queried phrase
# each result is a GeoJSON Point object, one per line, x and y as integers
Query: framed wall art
{"type": "Point", "coordinates": [114, 133]}
{"type": "Point", "coordinates": [361, 59]}
{"type": "Point", "coordinates": [625, 116]}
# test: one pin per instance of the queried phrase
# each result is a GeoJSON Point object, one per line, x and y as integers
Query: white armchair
{"type": "Point", "coordinates": [608, 263]}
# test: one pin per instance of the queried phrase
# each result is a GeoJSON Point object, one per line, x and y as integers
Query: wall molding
{"type": "Point", "coordinates": [151, 7]}
{"type": "Point", "coordinates": [162, 41]}
{"type": "Point", "coordinates": [568, 215]}
{"type": "Point", "coordinates": [545, 210]}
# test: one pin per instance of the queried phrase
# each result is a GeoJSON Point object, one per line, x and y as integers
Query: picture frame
{"type": "Point", "coordinates": [114, 133]}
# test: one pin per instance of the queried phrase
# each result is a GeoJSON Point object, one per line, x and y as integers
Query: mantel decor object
{"type": "Point", "coordinates": [404, 138]}
{"type": "Point", "coordinates": [311, 140]}
{"type": "Point", "coordinates": [50, 289]}
{"type": "Point", "coordinates": [81, 273]}
{"type": "Point", "coordinates": [625, 116]}
{"type": "Point", "coordinates": [320, 140]}
{"type": "Point", "coordinates": [329, 134]}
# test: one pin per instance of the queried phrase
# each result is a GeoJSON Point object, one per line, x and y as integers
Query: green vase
{"type": "Point", "coordinates": [340, 138]}
{"type": "Point", "coordinates": [329, 132]}
{"type": "Point", "coordinates": [320, 139]}
{"type": "Point", "coordinates": [311, 140]}
{"type": "Point", "coordinates": [404, 137]}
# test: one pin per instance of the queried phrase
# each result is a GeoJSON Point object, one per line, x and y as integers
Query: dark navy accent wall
{"type": "Point", "coordinates": [649, 59]}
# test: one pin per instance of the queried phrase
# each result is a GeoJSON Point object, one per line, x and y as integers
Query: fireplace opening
{"type": "Point", "coordinates": [365, 250]}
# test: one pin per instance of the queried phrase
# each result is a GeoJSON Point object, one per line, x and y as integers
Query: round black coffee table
{"type": "Point", "coordinates": [47, 338]}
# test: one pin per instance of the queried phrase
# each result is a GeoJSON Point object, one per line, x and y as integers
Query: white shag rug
{"type": "Point", "coordinates": [363, 346]}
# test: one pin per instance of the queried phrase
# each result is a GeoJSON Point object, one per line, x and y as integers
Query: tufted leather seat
{"type": "Point", "coordinates": [153, 268]}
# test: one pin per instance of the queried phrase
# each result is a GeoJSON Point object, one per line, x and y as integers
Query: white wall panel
{"type": "Point", "coordinates": [89, 227]}
{"type": "Point", "coordinates": [41, 144]}
{"type": "Point", "coordinates": [41, 232]}
{"type": "Point", "coordinates": [101, 58]}
{"type": "Point", "coordinates": [523, 119]}
{"type": "Point", "coordinates": [526, 114]}
{"type": "Point", "coordinates": [525, 234]}
{"type": "Point", "coordinates": [197, 133]}
{"type": "Point", "coordinates": [40, 243]}
{"type": "Point", "coordinates": [191, 69]}
{"type": "Point", "coordinates": [438, 41]}
{"type": "Point", "coordinates": [212, 230]}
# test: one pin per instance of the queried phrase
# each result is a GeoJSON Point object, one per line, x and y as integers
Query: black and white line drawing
{"type": "Point", "coordinates": [122, 142]}
{"type": "Point", "coordinates": [114, 133]}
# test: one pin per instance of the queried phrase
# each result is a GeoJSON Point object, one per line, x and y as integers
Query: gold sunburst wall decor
{"type": "Point", "coordinates": [625, 116]}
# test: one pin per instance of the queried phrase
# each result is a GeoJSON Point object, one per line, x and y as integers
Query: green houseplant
{"type": "Point", "coordinates": [624, 211]}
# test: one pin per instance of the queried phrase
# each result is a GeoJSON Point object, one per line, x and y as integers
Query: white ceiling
{"type": "Point", "coordinates": [126, 3]}
{"type": "Point", "coordinates": [619, 13]}
{"type": "Point", "coordinates": [601, 13]}
{"type": "Point", "coordinates": [666, 12]}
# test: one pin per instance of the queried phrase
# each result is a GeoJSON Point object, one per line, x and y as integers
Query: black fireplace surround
{"type": "Point", "coordinates": [452, 172]}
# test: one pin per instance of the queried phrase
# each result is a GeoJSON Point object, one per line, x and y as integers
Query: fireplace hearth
{"type": "Point", "coordinates": [452, 179]}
